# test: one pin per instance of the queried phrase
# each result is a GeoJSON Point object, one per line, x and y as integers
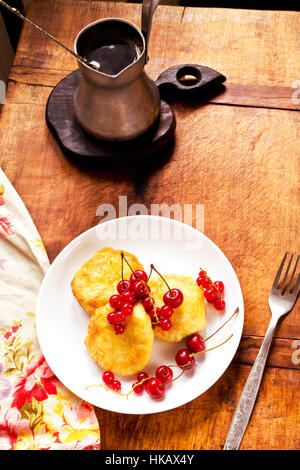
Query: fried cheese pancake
{"type": "Point", "coordinates": [187, 319]}
{"type": "Point", "coordinates": [124, 354]}
{"type": "Point", "coordinates": [97, 279]}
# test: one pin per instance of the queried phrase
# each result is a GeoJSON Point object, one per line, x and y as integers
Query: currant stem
{"type": "Point", "coordinates": [123, 257]}
{"type": "Point", "coordinates": [154, 307]}
{"type": "Point", "coordinates": [150, 272]}
{"type": "Point", "coordinates": [107, 389]}
{"type": "Point", "coordinates": [122, 269]}
{"type": "Point", "coordinates": [169, 289]}
{"type": "Point", "coordinates": [210, 349]}
{"type": "Point", "coordinates": [212, 283]}
{"type": "Point", "coordinates": [135, 385]}
{"type": "Point", "coordinates": [152, 302]}
{"type": "Point", "coordinates": [235, 313]}
{"type": "Point", "coordinates": [173, 380]}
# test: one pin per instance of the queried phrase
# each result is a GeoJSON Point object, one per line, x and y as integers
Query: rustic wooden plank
{"type": "Point", "coordinates": [273, 97]}
{"type": "Point", "coordinates": [238, 95]}
{"type": "Point", "coordinates": [249, 47]}
{"type": "Point", "coordinates": [204, 423]}
{"type": "Point", "coordinates": [283, 352]}
{"type": "Point", "coordinates": [67, 21]}
{"type": "Point", "coordinates": [228, 158]}
{"type": "Point", "coordinates": [36, 76]}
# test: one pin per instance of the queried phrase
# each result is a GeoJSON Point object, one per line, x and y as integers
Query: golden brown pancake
{"type": "Point", "coordinates": [126, 353]}
{"type": "Point", "coordinates": [187, 319]}
{"type": "Point", "coordinates": [97, 279]}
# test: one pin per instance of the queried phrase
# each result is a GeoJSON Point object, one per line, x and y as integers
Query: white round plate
{"type": "Point", "coordinates": [174, 248]}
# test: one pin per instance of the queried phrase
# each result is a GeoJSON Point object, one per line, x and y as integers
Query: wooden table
{"type": "Point", "coordinates": [238, 155]}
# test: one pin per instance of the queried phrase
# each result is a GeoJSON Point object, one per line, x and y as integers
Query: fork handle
{"type": "Point", "coordinates": [246, 403]}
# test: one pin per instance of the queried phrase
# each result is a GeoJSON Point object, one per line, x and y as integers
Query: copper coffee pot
{"type": "Point", "coordinates": [118, 101]}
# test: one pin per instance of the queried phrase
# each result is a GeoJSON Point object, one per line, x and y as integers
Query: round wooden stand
{"type": "Point", "coordinates": [75, 142]}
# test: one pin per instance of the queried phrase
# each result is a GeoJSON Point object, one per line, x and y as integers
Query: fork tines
{"type": "Point", "coordinates": [281, 285]}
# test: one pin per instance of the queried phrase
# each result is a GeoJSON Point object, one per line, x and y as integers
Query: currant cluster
{"type": "Point", "coordinates": [162, 316]}
{"type": "Point", "coordinates": [129, 292]}
{"type": "Point", "coordinates": [136, 289]}
{"type": "Point", "coordinates": [173, 298]}
{"type": "Point", "coordinates": [109, 380]}
{"type": "Point", "coordinates": [213, 291]}
{"type": "Point", "coordinates": [185, 357]}
{"type": "Point", "coordinates": [154, 386]}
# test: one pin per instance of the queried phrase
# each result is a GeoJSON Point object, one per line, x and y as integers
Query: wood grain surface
{"type": "Point", "coordinates": [237, 154]}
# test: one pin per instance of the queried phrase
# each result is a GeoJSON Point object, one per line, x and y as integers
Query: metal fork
{"type": "Point", "coordinates": [281, 302]}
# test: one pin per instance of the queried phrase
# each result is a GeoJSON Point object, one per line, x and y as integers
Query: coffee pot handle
{"type": "Point", "coordinates": [188, 82]}
{"type": "Point", "coordinates": [148, 9]}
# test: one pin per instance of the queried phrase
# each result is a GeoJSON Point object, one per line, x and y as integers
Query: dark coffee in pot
{"type": "Point", "coordinates": [113, 56]}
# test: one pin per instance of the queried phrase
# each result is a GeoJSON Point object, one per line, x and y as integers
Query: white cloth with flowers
{"type": "Point", "coordinates": [36, 410]}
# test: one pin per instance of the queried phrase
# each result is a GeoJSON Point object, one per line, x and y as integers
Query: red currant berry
{"type": "Point", "coordinates": [142, 275]}
{"type": "Point", "coordinates": [116, 385]}
{"type": "Point", "coordinates": [211, 294]}
{"type": "Point", "coordinates": [138, 275]}
{"type": "Point", "coordinates": [122, 286]}
{"type": "Point", "coordinates": [204, 282]}
{"type": "Point", "coordinates": [173, 298]}
{"type": "Point", "coordinates": [138, 388]}
{"type": "Point", "coordinates": [115, 301]}
{"type": "Point", "coordinates": [140, 290]}
{"type": "Point", "coordinates": [155, 388]}
{"type": "Point", "coordinates": [165, 311]}
{"type": "Point", "coordinates": [120, 316]}
{"type": "Point", "coordinates": [108, 377]}
{"type": "Point", "coordinates": [128, 296]}
{"type": "Point", "coordinates": [157, 312]}
{"type": "Point", "coordinates": [164, 373]}
{"type": "Point", "coordinates": [142, 376]}
{"type": "Point", "coordinates": [148, 303]}
{"type": "Point", "coordinates": [127, 308]}
{"type": "Point", "coordinates": [152, 314]}
{"type": "Point", "coordinates": [195, 343]}
{"type": "Point", "coordinates": [183, 359]}
{"type": "Point", "coordinates": [220, 286]}
{"type": "Point", "coordinates": [219, 303]}
{"type": "Point", "coordinates": [119, 329]}
{"type": "Point", "coordinates": [111, 318]}
{"type": "Point", "coordinates": [165, 324]}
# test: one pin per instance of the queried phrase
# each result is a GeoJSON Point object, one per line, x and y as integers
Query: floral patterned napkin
{"type": "Point", "coordinates": [36, 410]}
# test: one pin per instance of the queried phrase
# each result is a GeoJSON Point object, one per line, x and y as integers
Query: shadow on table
{"type": "Point", "coordinates": [136, 170]}
{"type": "Point", "coordinates": [139, 168]}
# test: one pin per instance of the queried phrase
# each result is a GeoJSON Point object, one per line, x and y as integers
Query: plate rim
{"type": "Point", "coordinates": [116, 220]}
